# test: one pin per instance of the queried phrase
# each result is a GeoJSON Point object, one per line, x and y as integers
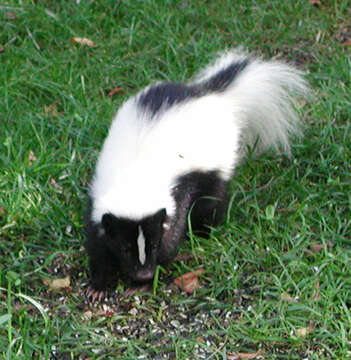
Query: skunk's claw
{"type": "Point", "coordinates": [134, 290]}
{"type": "Point", "coordinates": [95, 295]}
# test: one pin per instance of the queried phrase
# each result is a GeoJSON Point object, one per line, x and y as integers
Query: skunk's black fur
{"type": "Point", "coordinates": [165, 95]}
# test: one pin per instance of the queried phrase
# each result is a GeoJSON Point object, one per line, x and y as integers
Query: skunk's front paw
{"type": "Point", "coordinates": [94, 295]}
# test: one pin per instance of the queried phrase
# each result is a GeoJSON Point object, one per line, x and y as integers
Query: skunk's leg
{"type": "Point", "coordinates": [203, 197]}
{"type": "Point", "coordinates": [103, 268]}
{"type": "Point", "coordinates": [100, 276]}
{"type": "Point", "coordinates": [208, 212]}
{"type": "Point", "coordinates": [175, 230]}
{"type": "Point", "coordinates": [210, 204]}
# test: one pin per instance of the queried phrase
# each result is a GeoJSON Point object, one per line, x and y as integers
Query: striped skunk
{"type": "Point", "coordinates": [171, 151]}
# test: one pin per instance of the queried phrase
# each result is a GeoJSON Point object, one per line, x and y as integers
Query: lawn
{"type": "Point", "coordinates": [277, 274]}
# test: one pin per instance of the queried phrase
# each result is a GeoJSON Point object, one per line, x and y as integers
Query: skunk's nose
{"type": "Point", "coordinates": [144, 275]}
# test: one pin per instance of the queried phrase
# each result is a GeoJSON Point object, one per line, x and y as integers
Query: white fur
{"type": "Point", "coordinates": [142, 157]}
{"type": "Point", "coordinates": [141, 246]}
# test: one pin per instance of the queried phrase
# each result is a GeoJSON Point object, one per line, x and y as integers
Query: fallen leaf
{"type": "Point", "coordinates": [189, 281]}
{"type": "Point", "coordinates": [302, 332]}
{"type": "Point", "coordinates": [286, 297]}
{"type": "Point", "coordinates": [345, 34]}
{"type": "Point", "coordinates": [315, 2]}
{"type": "Point", "coordinates": [83, 41]}
{"type": "Point", "coordinates": [31, 157]}
{"type": "Point", "coordinates": [316, 296]}
{"type": "Point", "coordinates": [11, 15]}
{"type": "Point", "coordinates": [319, 247]}
{"type": "Point", "coordinates": [244, 356]}
{"type": "Point", "coordinates": [308, 252]}
{"type": "Point", "coordinates": [50, 110]}
{"type": "Point", "coordinates": [58, 284]}
{"type": "Point", "coordinates": [347, 42]}
{"type": "Point", "coordinates": [2, 211]}
{"type": "Point", "coordinates": [115, 91]}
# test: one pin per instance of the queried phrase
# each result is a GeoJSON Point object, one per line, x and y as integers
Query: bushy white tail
{"type": "Point", "coordinates": [264, 96]}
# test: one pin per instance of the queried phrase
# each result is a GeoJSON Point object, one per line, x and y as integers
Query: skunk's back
{"type": "Point", "coordinates": [170, 129]}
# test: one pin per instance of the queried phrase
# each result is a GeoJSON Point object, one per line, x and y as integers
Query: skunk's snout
{"type": "Point", "coordinates": [144, 275]}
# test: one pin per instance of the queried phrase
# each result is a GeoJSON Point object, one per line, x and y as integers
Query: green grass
{"type": "Point", "coordinates": [264, 280]}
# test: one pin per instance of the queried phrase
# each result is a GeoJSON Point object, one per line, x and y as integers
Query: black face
{"type": "Point", "coordinates": [137, 262]}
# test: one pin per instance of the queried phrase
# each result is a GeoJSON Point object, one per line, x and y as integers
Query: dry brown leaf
{"type": "Point", "coordinates": [308, 252]}
{"type": "Point", "coordinates": [347, 42]}
{"type": "Point", "coordinates": [58, 284]}
{"type": "Point", "coordinates": [50, 110]}
{"type": "Point", "coordinates": [316, 296]}
{"type": "Point", "coordinates": [319, 247]}
{"type": "Point", "coordinates": [301, 332]}
{"type": "Point", "coordinates": [244, 356]}
{"type": "Point", "coordinates": [115, 91]}
{"type": "Point", "coordinates": [345, 34]}
{"type": "Point", "coordinates": [31, 157]}
{"type": "Point", "coordinates": [83, 41]}
{"type": "Point", "coordinates": [11, 15]}
{"type": "Point", "coordinates": [189, 281]}
{"type": "Point", "coordinates": [2, 211]}
{"type": "Point", "coordinates": [286, 297]}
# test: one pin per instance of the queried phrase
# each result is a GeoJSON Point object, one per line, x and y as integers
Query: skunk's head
{"type": "Point", "coordinates": [134, 244]}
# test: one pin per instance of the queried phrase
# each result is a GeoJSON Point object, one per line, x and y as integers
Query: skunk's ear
{"type": "Point", "coordinates": [156, 219]}
{"type": "Point", "coordinates": [108, 223]}
{"type": "Point", "coordinates": [160, 216]}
